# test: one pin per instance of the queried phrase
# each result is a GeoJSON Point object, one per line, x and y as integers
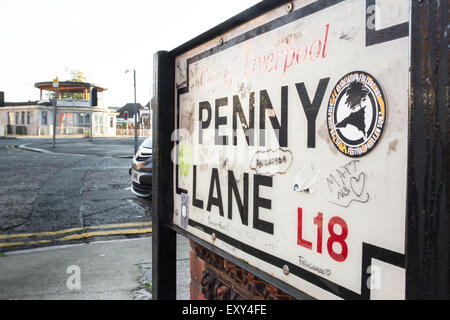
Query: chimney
{"type": "Point", "coordinates": [2, 98]}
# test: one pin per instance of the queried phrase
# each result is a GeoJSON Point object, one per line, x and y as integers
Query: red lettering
{"type": "Point", "coordinates": [339, 238]}
{"type": "Point", "coordinates": [227, 77]}
{"type": "Point", "coordinates": [277, 59]}
{"type": "Point", "coordinates": [300, 240]}
{"type": "Point", "coordinates": [292, 57]}
{"type": "Point", "coordinates": [246, 64]}
{"type": "Point", "coordinates": [305, 53]}
{"type": "Point", "coordinates": [318, 50]}
{"type": "Point", "coordinates": [318, 221]}
{"type": "Point", "coordinates": [269, 62]}
{"type": "Point", "coordinates": [284, 59]}
{"type": "Point", "coordinates": [324, 53]}
{"type": "Point", "coordinates": [337, 255]}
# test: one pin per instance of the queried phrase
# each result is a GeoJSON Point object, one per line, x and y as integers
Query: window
{"type": "Point", "coordinates": [65, 120]}
{"type": "Point", "coordinates": [17, 118]}
{"type": "Point", "coordinates": [28, 117]}
{"type": "Point", "coordinates": [83, 120]}
{"type": "Point", "coordinates": [111, 122]}
{"type": "Point", "coordinates": [44, 117]}
{"type": "Point", "coordinates": [100, 123]}
{"type": "Point", "coordinates": [11, 118]}
{"type": "Point", "coordinates": [23, 117]}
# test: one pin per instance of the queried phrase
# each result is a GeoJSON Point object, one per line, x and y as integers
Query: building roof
{"type": "Point", "coordinates": [27, 103]}
{"type": "Point", "coordinates": [68, 86]}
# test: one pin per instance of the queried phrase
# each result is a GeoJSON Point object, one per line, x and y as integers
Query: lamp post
{"type": "Point", "coordinates": [135, 112]}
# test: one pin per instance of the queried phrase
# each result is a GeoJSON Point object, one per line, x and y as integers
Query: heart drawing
{"type": "Point", "coordinates": [358, 184]}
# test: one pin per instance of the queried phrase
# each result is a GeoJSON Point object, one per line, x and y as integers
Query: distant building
{"type": "Point", "coordinates": [126, 126]}
{"type": "Point", "coordinates": [129, 110]}
{"type": "Point", "coordinates": [147, 114]}
{"type": "Point", "coordinates": [76, 103]}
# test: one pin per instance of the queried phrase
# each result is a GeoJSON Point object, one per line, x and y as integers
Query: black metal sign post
{"type": "Point", "coordinates": [427, 242]}
{"type": "Point", "coordinates": [164, 239]}
{"type": "Point", "coordinates": [428, 193]}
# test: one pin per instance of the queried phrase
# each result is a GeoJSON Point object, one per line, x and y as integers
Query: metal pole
{"type": "Point", "coordinates": [54, 115]}
{"type": "Point", "coordinates": [90, 124]}
{"type": "Point", "coordinates": [135, 115]}
{"type": "Point", "coordinates": [428, 206]}
{"type": "Point", "coordinates": [163, 238]}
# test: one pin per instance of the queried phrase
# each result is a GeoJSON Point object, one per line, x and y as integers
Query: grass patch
{"type": "Point", "coordinates": [2, 255]}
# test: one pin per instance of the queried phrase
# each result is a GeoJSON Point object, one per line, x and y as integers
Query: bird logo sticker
{"type": "Point", "coordinates": [356, 114]}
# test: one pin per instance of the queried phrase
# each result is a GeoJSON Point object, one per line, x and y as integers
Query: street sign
{"type": "Point", "coordinates": [55, 83]}
{"type": "Point", "coordinates": [309, 148]}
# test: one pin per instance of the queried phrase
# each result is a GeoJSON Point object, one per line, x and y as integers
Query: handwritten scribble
{"type": "Point", "coordinates": [348, 185]}
{"type": "Point", "coordinates": [353, 200]}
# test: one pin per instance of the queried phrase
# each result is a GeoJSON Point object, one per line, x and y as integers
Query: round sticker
{"type": "Point", "coordinates": [356, 114]}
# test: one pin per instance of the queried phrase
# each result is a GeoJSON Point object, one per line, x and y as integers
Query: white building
{"type": "Point", "coordinates": [77, 104]}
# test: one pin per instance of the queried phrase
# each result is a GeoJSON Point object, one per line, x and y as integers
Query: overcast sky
{"type": "Point", "coordinates": [40, 39]}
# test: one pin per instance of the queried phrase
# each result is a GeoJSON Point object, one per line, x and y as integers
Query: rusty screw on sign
{"type": "Point", "coordinates": [289, 7]}
{"type": "Point", "coordinates": [285, 269]}
{"type": "Point", "coordinates": [213, 237]}
{"type": "Point", "coordinates": [220, 41]}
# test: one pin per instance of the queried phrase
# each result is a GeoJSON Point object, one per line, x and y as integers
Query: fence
{"type": "Point", "coordinates": [48, 131]}
{"type": "Point", "coordinates": [130, 132]}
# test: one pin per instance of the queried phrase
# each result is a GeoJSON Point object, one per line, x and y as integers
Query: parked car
{"type": "Point", "coordinates": [141, 170]}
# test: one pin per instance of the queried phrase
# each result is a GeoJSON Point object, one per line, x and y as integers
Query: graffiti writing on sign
{"type": "Point", "coordinates": [304, 263]}
{"type": "Point", "coordinates": [348, 185]}
{"type": "Point", "coordinates": [271, 162]}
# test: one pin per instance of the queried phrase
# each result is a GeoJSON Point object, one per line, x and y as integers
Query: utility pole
{"type": "Point", "coordinates": [135, 112]}
{"type": "Point", "coordinates": [90, 124]}
{"type": "Point", "coordinates": [135, 115]}
{"type": "Point", "coordinates": [56, 86]}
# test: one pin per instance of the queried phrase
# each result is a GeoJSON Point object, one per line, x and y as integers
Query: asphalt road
{"type": "Point", "coordinates": [76, 192]}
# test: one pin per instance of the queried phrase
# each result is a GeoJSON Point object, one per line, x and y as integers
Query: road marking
{"type": "Point", "coordinates": [79, 236]}
{"type": "Point", "coordinates": [105, 233]}
{"type": "Point", "coordinates": [25, 148]}
{"type": "Point", "coordinates": [59, 232]}
{"type": "Point", "coordinates": [22, 243]}
{"type": "Point", "coordinates": [16, 148]}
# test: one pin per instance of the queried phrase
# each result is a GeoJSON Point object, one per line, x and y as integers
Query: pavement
{"type": "Point", "coordinates": [103, 270]}
{"type": "Point", "coordinates": [120, 147]}
{"type": "Point", "coordinates": [78, 194]}
{"type": "Point", "coordinates": [49, 198]}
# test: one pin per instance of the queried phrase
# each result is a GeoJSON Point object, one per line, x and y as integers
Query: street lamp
{"type": "Point", "coordinates": [135, 112]}
{"type": "Point", "coordinates": [55, 103]}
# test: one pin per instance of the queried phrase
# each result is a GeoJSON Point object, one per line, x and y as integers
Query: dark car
{"type": "Point", "coordinates": [141, 170]}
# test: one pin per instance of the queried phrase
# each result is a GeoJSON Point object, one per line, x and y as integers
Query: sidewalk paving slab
{"type": "Point", "coordinates": [109, 270]}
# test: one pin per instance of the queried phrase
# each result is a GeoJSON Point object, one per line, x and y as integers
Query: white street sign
{"type": "Point", "coordinates": [292, 145]}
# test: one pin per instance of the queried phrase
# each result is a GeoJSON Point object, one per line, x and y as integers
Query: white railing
{"type": "Point", "coordinates": [130, 132]}
{"type": "Point", "coordinates": [48, 131]}
{"type": "Point", "coordinates": [72, 131]}
{"type": "Point", "coordinates": [73, 103]}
